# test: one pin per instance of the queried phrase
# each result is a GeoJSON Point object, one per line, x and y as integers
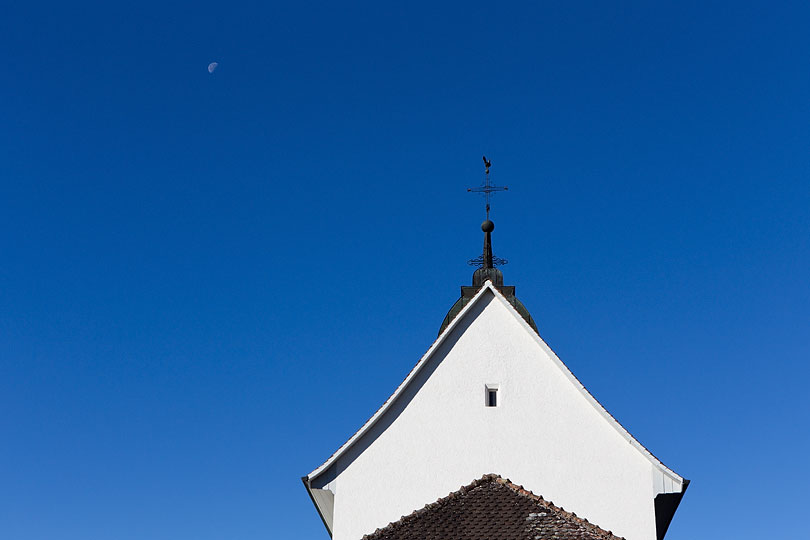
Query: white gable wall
{"type": "Point", "coordinates": [545, 434]}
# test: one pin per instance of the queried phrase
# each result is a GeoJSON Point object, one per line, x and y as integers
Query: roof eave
{"type": "Point", "coordinates": [666, 504]}
{"type": "Point", "coordinates": [306, 481]}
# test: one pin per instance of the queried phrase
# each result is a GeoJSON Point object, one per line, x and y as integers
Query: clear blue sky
{"type": "Point", "coordinates": [209, 281]}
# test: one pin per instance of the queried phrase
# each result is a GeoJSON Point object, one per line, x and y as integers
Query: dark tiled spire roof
{"type": "Point", "coordinates": [491, 508]}
{"type": "Point", "coordinates": [486, 271]}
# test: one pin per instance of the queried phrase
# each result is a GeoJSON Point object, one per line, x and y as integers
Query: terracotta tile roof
{"type": "Point", "coordinates": [491, 508]}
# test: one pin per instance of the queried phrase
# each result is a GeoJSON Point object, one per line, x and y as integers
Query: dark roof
{"type": "Point", "coordinates": [468, 293]}
{"type": "Point", "coordinates": [486, 271]}
{"type": "Point", "coordinates": [491, 508]}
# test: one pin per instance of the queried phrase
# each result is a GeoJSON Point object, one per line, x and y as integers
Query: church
{"type": "Point", "coordinates": [491, 436]}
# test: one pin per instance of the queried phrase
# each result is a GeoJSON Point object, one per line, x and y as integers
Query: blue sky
{"type": "Point", "coordinates": [209, 281]}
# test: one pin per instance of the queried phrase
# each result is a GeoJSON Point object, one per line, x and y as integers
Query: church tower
{"type": "Point", "coordinates": [491, 416]}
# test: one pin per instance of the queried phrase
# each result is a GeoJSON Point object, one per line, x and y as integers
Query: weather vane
{"type": "Point", "coordinates": [487, 260]}
{"type": "Point", "coordinates": [487, 188]}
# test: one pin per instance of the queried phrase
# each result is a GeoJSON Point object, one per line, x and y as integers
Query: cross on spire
{"type": "Point", "coordinates": [487, 188]}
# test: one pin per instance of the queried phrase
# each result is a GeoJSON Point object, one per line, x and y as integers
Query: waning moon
{"type": "Point", "coordinates": [212, 66]}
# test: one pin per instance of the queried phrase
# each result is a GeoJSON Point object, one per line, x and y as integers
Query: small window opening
{"type": "Point", "coordinates": [492, 397]}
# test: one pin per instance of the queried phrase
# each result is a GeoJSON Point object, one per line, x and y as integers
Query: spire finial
{"type": "Point", "coordinates": [487, 262]}
{"type": "Point", "coordinates": [487, 188]}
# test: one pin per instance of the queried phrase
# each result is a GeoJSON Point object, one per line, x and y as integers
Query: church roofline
{"type": "Point", "coordinates": [414, 371]}
{"type": "Point", "coordinates": [488, 286]}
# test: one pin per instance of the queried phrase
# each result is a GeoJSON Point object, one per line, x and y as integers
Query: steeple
{"type": "Point", "coordinates": [487, 262]}
{"type": "Point", "coordinates": [490, 395]}
{"type": "Point", "coordinates": [487, 270]}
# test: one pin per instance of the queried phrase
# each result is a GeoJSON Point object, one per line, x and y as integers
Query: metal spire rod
{"type": "Point", "coordinates": [487, 259]}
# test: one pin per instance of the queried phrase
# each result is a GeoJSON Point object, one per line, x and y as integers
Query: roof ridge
{"type": "Point", "coordinates": [491, 478]}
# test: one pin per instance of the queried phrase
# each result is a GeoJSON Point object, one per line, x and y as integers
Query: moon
{"type": "Point", "coordinates": [212, 66]}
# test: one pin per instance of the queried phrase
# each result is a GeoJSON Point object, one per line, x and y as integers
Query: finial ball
{"type": "Point", "coordinates": [487, 226]}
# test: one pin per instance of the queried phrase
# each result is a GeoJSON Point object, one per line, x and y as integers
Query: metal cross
{"type": "Point", "coordinates": [487, 188]}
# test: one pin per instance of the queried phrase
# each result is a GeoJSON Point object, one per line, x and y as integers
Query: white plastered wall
{"type": "Point", "coordinates": [438, 435]}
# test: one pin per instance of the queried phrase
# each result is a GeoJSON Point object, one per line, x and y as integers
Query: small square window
{"type": "Point", "coordinates": [491, 395]}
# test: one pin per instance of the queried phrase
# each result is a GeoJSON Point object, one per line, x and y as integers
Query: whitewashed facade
{"type": "Point", "coordinates": [546, 432]}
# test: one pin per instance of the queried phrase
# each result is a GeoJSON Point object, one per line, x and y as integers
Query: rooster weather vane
{"type": "Point", "coordinates": [487, 190]}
